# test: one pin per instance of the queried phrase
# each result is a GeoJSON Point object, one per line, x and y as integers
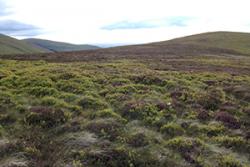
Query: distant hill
{"type": "Point", "coordinates": [9, 45]}
{"type": "Point", "coordinates": [234, 41]}
{"type": "Point", "coordinates": [213, 43]}
{"type": "Point", "coordinates": [54, 46]}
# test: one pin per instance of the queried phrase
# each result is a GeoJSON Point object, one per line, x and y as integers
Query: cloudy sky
{"type": "Point", "coordinates": [120, 21]}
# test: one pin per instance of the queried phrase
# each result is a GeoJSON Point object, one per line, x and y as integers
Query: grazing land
{"type": "Point", "coordinates": [176, 105]}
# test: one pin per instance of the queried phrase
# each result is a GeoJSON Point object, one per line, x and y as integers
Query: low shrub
{"type": "Point", "coordinates": [172, 129]}
{"type": "Point", "coordinates": [184, 144]}
{"type": "Point", "coordinates": [45, 117]}
{"type": "Point", "coordinates": [229, 161]}
{"type": "Point", "coordinates": [68, 97]}
{"type": "Point", "coordinates": [119, 81]}
{"type": "Point", "coordinates": [90, 102]}
{"type": "Point", "coordinates": [107, 113]}
{"type": "Point", "coordinates": [237, 143]}
{"type": "Point", "coordinates": [148, 80]}
{"type": "Point", "coordinates": [138, 140]}
{"type": "Point", "coordinates": [112, 157]}
{"type": "Point", "coordinates": [52, 101]}
{"type": "Point", "coordinates": [203, 115]}
{"type": "Point", "coordinates": [42, 91]}
{"type": "Point", "coordinates": [212, 129]}
{"type": "Point", "coordinates": [6, 100]}
{"type": "Point", "coordinates": [6, 119]}
{"type": "Point", "coordinates": [34, 81]}
{"type": "Point", "coordinates": [139, 110]}
{"type": "Point", "coordinates": [109, 128]}
{"type": "Point", "coordinates": [227, 119]}
{"type": "Point", "coordinates": [212, 99]}
{"type": "Point", "coordinates": [70, 86]}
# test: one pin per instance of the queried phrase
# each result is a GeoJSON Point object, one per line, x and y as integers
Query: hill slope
{"type": "Point", "coordinates": [58, 46]}
{"type": "Point", "coordinates": [9, 45]}
{"type": "Point", "coordinates": [234, 41]}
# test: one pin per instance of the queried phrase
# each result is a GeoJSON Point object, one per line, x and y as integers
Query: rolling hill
{"type": "Point", "coordinates": [234, 41]}
{"type": "Point", "coordinates": [54, 46]}
{"type": "Point", "coordinates": [9, 45]}
{"type": "Point", "coordinates": [214, 43]}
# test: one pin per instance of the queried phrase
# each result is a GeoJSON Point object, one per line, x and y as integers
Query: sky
{"type": "Point", "coordinates": [118, 22]}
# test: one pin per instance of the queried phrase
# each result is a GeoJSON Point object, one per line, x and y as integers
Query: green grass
{"type": "Point", "coordinates": [123, 113]}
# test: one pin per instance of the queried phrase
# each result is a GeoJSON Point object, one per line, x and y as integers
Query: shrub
{"type": "Point", "coordinates": [6, 100]}
{"type": "Point", "coordinates": [172, 129]}
{"type": "Point", "coordinates": [107, 113]}
{"type": "Point", "coordinates": [45, 117]}
{"type": "Point", "coordinates": [70, 86]}
{"type": "Point", "coordinates": [6, 119]}
{"type": "Point", "coordinates": [126, 89]}
{"type": "Point", "coordinates": [183, 144]}
{"type": "Point", "coordinates": [89, 102]}
{"type": "Point", "coordinates": [232, 142]}
{"type": "Point", "coordinates": [68, 97]}
{"type": "Point", "coordinates": [119, 81]}
{"type": "Point", "coordinates": [34, 81]}
{"type": "Point", "coordinates": [138, 140]}
{"type": "Point", "coordinates": [42, 91]}
{"type": "Point", "coordinates": [52, 101]}
{"type": "Point", "coordinates": [229, 161]}
{"type": "Point", "coordinates": [109, 128]}
{"type": "Point", "coordinates": [148, 80]}
{"type": "Point", "coordinates": [203, 115]}
{"type": "Point", "coordinates": [212, 129]}
{"type": "Point", "coordinates": [227, 119]}
{"type": "Point", "coordinates": [111, 157]}
{"type": "Point", "coordinates": [212, 99]}
{"type": "Point", "coordinates": [139, 110]}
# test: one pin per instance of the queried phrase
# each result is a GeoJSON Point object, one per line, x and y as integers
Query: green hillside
{"type": "Point", "coordinates": [237, 41]}
{"type": "Point", "coordinates": [9, 45]}
{"type": "Point", "coordinates": [58, 46]}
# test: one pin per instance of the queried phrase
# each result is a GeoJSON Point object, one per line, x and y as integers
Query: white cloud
{"type": "Point", "coordinates": [81, 21]}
